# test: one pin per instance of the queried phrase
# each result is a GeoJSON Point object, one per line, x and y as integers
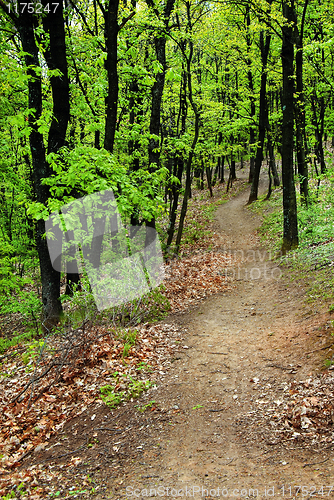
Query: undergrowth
{"type": "Point", "coordinates": [313, 260]}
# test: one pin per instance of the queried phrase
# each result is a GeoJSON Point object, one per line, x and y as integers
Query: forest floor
{"type": "Point", "coordinates": [243, 408]}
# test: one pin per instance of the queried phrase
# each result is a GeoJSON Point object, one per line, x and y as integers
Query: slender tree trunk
{"type": "Point", "coordinates": [208, 178]}
{"type": "Point", "coordinates": [252, 98]}
{"type": "Point", "coordinates": [196, 134]}
{"type": "Point", "coordinates": [111, 29]}
{"type": "Point", "coordinates": [290, 227]}
{"type": "Point", "coordinates": [176, 192]}
{"type": "Point", "coordinates": [318, 127]}
{"type": "Point", "coordinates": [158, 86]}
{"type": "Point", "coordinates": [157, 91]}
{"type": "Point", "coordinates": [232, 170]}
{"type": "Point", "coordinates": [272, 163]}
{"type": "Point", "coordinates": [55, 56]}
{"type": "Point", "coordinates": [300, 113]}
{"type": "Point", "coordinates": [182, 117]}
{"type": "Point", "coordinates": [270, 182]}
{"type": "Point", "coordinates": [263, 116]}
{"type": "Point", "coordinates": [222, 176]}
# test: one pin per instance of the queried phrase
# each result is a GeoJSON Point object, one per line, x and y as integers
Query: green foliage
{"type": "Point", "coordinates": [135, 388]}
{"type": "Point", "coordinates": [220, 43]}
{"type": "Point", "coordinates": [15, 340]}
{"type": "Point", "coordinates": [79, 307]}
{"type": "Point", "coordinates": [129, 339]}
{"type": "Point", "coordinates": [8, 496]}
{"type": "Point", "coordinates": [111, 398]}
{"type": "Point", "coordinates": [143, 366]}
{"type": "Point", "coordinates": [145, 407]}
{"type": "Point", "coordinates": [33, 351]}
{"type": "Point", "coordinates": [27, 304]}
{"type": "Point", "coordinates": [156, 306]}
{"type": "Point", "coordinates": [86, 170]}
{"type": "Point", "coordinates": [314, 258]}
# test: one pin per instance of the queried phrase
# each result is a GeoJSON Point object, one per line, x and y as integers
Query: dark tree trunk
{"type": "Point", "coordinates": [56, 58]}
{"type": "Point", "coordinates": [290, 227]}
{"type": "Point", "coordinates": [263, 116]}
{"type": "Point", "coordinates": [270, 183]}
{"type": "Point", "coordinates": [181, 119]}
{"type": "Point", "coordinates": [232, 169]}
{"type": "Point", "coordinates": [272, 163]}
{"type": "Point", "coordinates": [176, 192]}
{"type": "Point", "coordinates": [202, 178]}
{"type": "Point", "coordinates": [252, 98]}
{"type": "Point", "coordinates": [222, 176]}
{"type": "Point", "coordinates": [208, 178]}
{"type": "Point", "coordinates": [319, 128]}
{"type": "Point", "coordinates": [300, 112]}
{"type": "Point", "coordinates": [196, 134]}
{"type": "Point", "coordinates": [158, 87]}
{"type": "Point", "coordinates": [111, 29]}
{"type": "Point", "coordinates": [157, 91]}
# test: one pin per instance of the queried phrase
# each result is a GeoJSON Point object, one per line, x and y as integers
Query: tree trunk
{"type": "Point", "coordinates": [182, 117]}
{"type": "Point", "coordinates": [208, 178]}
{"type": "Point", "coordinates": [232, 170]}
{"type": "Point", "coordinates": [252, 98]}
{"type": "Point", "coordinates": [263, 117]}
{"type": "Point", "coordinates": [196, 134]}
{"type": "Point", "coordinates": [222, 176]}
{"type": "Point", "coordinates": [290, 227]}
{"type": "Point", "coordinates": [111, 29]}
{"type": "Point", "coordinates": [300, 113]}
{"type": "Point", "coordinates": [272, 163]}
{"type": "Point", "coordinates": [158, 86]}
{"type": "Point", "coordinates": [56, 57]}
{"type": "Point", "coordinates": [176, 192]}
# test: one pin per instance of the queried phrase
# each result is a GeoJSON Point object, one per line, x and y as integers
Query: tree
{"type": "Point", "coordinates": [263, 116]}
{"type": "Point", "coordinates": [55, 55]}
{"type": "Point", "coordinates": [290, 224]}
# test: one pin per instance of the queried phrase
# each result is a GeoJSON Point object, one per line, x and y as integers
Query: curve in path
{"type": "Point", "coordinates": [206, 442]}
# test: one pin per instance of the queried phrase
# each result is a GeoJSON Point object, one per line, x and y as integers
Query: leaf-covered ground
{"type": "Point", "coordinates": [27, 425]}
{"type": "Point", "coordinates": [219, 374]}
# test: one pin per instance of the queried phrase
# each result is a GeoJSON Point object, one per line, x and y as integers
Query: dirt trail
{"type": "Point", "coordinates": [208, 433]}
{"type": "Point", "coordinates": [240, 345]}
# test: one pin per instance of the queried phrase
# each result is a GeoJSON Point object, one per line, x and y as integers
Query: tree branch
{"type": "Point", "coordinates": [124, 21]}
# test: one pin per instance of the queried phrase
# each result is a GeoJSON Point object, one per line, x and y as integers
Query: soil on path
{"type": "Point", "coordinates": [249, 334]}
{"type": "Point", "coordinates": [204, 437]}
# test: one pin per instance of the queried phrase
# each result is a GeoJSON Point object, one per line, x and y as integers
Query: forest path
{"type": "Point", "coordinates": [238, 342]}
